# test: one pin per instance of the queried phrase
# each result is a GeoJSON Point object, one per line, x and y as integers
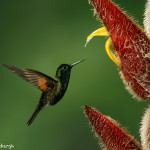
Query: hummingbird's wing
{"type": "Point", "coordinates": [38, 79]}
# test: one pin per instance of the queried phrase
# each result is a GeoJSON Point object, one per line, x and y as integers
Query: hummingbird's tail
{"type": "Point", "coordinates": [37, 110]}
{"type": "Point", "coordinates": [42, 104]}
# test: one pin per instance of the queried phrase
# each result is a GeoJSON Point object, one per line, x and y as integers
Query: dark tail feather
{"type": "Point", "coordinates": [33, 116]}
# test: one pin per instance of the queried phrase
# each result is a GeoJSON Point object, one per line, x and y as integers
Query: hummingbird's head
{"type": "Point", "coordinates": [63, 71]}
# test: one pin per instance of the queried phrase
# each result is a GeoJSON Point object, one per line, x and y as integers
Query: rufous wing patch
{"type": "Point", "coordinates": [42, 82]}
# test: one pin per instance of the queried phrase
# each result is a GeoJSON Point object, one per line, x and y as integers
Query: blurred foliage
{"type": "Point", "coordinates": [41, 35]}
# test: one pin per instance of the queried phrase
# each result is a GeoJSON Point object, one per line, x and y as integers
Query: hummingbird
{"type": "Point", "coordinates": [53, 89]}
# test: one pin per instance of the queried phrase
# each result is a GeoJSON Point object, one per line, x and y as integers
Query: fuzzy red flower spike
{"type": "Point", "coordinates": [112, 136]}
{"type": "Point", "coordinates": [131, 45]}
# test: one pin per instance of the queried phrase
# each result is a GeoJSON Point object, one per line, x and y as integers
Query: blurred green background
{"type": "Point", "coordinates": [41, 35]}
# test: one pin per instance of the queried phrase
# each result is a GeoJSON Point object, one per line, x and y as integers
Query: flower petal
{"type": "Point", "coordinates": [112, 136]}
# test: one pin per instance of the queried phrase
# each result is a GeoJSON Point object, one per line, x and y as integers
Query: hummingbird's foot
{"type": "Point", "coordinates": [103, 32]}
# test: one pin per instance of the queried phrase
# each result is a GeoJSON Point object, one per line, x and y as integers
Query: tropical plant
{"type": "Point", "coordinates": [132, 55]}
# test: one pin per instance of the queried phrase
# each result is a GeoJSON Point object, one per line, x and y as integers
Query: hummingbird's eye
{"type": "Point", "coordinates": [65, 67]}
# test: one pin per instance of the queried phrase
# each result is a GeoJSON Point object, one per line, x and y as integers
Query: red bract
{"type": "Point", "coordinates": [113, 137]}
{"type": "Point", "coordinates": [131, 44]}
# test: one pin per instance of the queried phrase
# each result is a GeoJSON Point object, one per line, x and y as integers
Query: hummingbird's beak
{"type": "Point", "coordinates": [77, 63]}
